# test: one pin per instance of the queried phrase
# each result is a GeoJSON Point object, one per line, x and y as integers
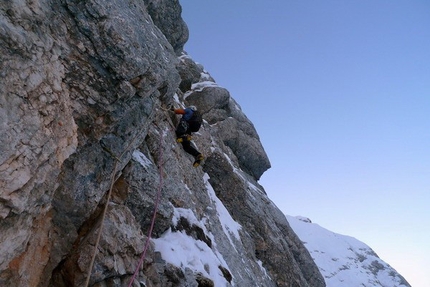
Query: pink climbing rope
{"type": "Point", "coordinates": [155, 211]}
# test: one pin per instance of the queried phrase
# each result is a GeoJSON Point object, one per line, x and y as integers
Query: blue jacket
{"type": "Point", "coordinates": [186, 113]}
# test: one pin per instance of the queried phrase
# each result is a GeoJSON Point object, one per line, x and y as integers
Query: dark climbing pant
{"type": "Point", "coordinates": [189, 148]}
{"type": "Point", "coordinates": [181, 132]}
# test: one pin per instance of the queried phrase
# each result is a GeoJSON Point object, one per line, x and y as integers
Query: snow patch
{"type": "Point", "coordinates": [229, 225]}
{"type": "Point", "coordinates": [184, 56]}
{"type": "Point", "coordinates": [141, 159]}
{"type": "Point", "coordinates": [176, 98]}
{"type": "Point", "coordinates": [201, 85]}
{"type": "Point", "coordinates": [188, 214]}
{"type": "Point", "coordinates": [198, 87]}
{"type": "Point", "coordinates": [205, 76]}
{"type": "Point", "coordinates": [184, 251]}
{"type": "Point", "coordinates": [260, 263]}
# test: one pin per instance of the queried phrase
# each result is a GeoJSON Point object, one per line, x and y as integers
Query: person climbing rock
{"type": "Point", "coordinates": [190, 122]}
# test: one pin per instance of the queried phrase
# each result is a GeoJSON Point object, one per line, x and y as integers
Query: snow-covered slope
{"type": "Point", "coordinates": [182, 250]}
{"type": "Point", "coordinates": [343, 260]}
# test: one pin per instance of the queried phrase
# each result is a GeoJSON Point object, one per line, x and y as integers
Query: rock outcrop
{"type": "Point", "coordinates": [84, 92]}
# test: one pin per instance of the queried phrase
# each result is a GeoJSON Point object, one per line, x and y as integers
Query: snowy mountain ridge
{"type": "Point", "coordinates": [344, 260]}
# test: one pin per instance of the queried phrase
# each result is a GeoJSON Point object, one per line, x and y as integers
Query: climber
{"type": "Point", "coordinates": [190, 122]}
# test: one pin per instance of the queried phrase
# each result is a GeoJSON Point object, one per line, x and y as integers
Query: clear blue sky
{"type": "Point", "coordinates": [339, 92]}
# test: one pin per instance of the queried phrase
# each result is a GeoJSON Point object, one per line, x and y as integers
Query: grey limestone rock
{"type": "Point", "coordinates": [84, 91]}
{"type": "Point", "coordinates": [166, 14]}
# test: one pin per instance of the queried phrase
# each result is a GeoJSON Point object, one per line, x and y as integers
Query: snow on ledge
{"type": "Point", "coordinates": [141, 159]}
{"type": "Point", "coordinates": [184, 252]}
{"type": "Point", "coordinates": [229, 225]}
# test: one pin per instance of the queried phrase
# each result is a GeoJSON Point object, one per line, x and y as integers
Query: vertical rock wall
{"type": "Point", "coordinates": [83, 91]}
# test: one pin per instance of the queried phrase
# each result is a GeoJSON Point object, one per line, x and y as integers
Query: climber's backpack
{"type": "Point", "coordinates": [195, 122]}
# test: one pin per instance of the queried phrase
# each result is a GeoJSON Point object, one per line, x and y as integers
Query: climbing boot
{"type": "Point", "coordinates": [198, 160]}
{"type": "Point", "coordinates": [184, 138]}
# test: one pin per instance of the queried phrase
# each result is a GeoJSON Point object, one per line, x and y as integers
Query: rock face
{"type": "Point", "coordinates": [84, 89]}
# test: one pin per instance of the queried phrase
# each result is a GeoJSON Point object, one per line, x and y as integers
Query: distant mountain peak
{"type": "Point", "coordinates": [344, 260]}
